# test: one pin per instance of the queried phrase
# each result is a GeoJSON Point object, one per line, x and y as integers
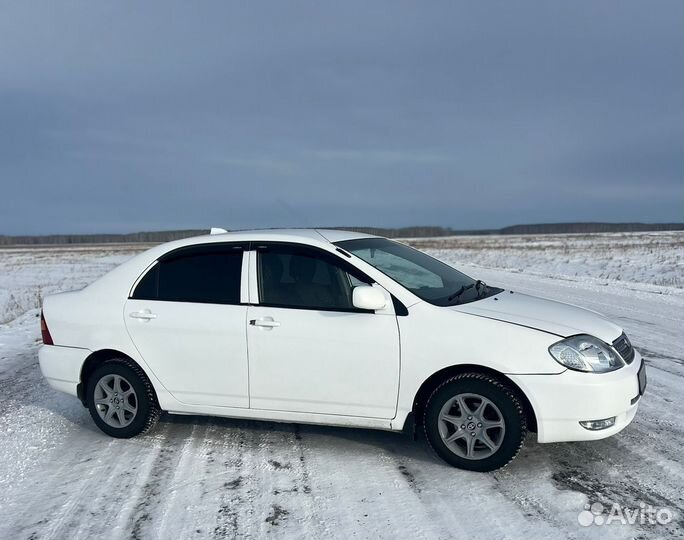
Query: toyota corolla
{"type": "Point", "coordinates": [337, 328]}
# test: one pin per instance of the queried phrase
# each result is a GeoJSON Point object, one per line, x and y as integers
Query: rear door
{"type": "Point", "coordinates": [186, 320]}
{"type": "Point", "coordinates": [310, 350]}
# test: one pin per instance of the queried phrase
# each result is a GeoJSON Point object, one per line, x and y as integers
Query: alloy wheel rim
{"type": "Point", "coordinates": [115, 401]}
{"type": "Point", "coordinates": [471, 426]}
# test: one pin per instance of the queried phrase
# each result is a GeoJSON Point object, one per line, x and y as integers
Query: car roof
{"type": "Point", "coordinates": [319, 237]}
{"type": "Point", "coordinates": [289, 235]}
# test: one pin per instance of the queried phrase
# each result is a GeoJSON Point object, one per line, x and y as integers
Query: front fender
{"type": "Point", "coordinates": [434, 338]}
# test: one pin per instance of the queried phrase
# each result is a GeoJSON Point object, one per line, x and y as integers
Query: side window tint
{"type": "Point", "coordinates": [303, 278]}
{"type": "Point", "coordinates": [209, 275]}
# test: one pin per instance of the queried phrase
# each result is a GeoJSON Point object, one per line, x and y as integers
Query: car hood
{"type": "Point", "coordinates": [546, 315]}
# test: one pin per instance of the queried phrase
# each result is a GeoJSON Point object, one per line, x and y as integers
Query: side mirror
{"type": "Point", "coordinates": [367, 297]}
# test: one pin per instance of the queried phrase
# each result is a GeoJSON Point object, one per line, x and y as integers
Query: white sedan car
{"type": "Point", "coordinates": [338, 328]}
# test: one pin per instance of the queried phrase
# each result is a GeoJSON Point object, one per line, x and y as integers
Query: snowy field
{"type": "Point", "coordinates": [197, 477]}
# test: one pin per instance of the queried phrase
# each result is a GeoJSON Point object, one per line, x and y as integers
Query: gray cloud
{"type": "Point", "coordinates": [121, 117]}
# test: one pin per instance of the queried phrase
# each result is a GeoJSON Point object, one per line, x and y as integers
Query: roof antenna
{"type": "Point", "coordinates": [217, 230]}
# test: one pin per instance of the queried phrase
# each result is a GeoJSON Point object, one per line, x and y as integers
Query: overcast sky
{"type": "Point", "coordinates": [126, 116]}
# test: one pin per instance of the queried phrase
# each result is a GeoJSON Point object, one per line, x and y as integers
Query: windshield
{"type": "Point", "coordinates": [426, 277]}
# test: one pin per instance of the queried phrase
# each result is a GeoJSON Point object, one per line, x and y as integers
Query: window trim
{"type": "Point", "coordinates": [347, 267]}
{"type": "Point", "coordinates": [178, 253]}
{"type": "Point", "coordinates": [245, 273]}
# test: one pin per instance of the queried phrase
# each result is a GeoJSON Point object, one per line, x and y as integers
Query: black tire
{"type": "Point", "coordinates": [510, 409]}
{"type": "Point", "coordinates": [147, 413]}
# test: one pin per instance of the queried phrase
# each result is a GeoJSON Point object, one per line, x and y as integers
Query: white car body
{"type": "Point", "coordinates": [327, 367]}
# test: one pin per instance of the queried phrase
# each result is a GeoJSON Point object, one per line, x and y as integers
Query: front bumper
{"type": "Point", "coordinates": [61, 366]}
{"type": "Point", "coordinates": [561, 401]}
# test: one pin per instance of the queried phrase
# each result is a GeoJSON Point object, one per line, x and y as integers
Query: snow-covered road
{"type": "Point", "coordinates": [197, 477]}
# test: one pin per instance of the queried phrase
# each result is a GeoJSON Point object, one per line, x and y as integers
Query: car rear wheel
{"type": "Point", "coordinates": [475, 422]}
{"type": "Point", "coordinates": [121, 399]}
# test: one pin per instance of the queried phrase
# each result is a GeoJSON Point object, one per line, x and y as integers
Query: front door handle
{"type": "Point", "coordinates": [266, 322]}
{"type": "Point", "coordinates": [145, 315]}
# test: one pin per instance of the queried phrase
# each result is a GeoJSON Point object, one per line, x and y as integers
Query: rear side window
{"type": "Point", "coordinates": [204, 274]}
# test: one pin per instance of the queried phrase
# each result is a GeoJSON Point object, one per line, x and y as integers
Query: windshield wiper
{"type": "Point", "coordinates": [479, 284]}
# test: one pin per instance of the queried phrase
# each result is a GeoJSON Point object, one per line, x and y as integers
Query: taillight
{"type": "Point", "coordinates": [44, 332]}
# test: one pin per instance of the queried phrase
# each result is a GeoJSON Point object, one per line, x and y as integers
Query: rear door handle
{"type": "Point", "coordinates": [266, 322]}
{"type": "Point", "coordinates": [146, 315]}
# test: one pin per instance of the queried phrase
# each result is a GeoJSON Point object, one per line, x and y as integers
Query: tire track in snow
{"type": "Point", "coordinates": [275, 486]}
{"type": "Point", "coordinates": [173, 519]}
{"type": "Point", "coordinates": [116, 477]}
{"type": "Point", "coordinates": [94, 491]}
{"type": "Point", "coordinates": [232, 491]}
{"type": "Point", "coordinates": [442, 497]}
{"type": "Point", "coordinates": [171, 440]}
{"type": "Point", "coordinates": [357, 482]}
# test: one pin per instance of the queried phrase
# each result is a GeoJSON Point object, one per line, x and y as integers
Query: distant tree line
{"type": "Point", "coordinates": [156, 237]}
{"type": "Point", "coordinates": [153, 237]}
{"type": "Point", "coordinates": [539, 228]}
{"type": "Point", "coordinates": [402, 232]}
{"type": "Point", "coordinates": [579, 228]}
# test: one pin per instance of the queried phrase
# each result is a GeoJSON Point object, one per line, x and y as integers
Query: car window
{"type": "Point", "coordinates": [208, 274]}
{"type": "Point", "coordinates": [299, 277]}
{"type": "Point", "coordinates": [426, 277]}
{"type": "Point", "coordinates": [411, 275]}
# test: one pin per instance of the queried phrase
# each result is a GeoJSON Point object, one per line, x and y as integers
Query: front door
{"type": "Point", "coordinates": [310, 350]}
{"type": "Point", "coordinates": [186, 321]}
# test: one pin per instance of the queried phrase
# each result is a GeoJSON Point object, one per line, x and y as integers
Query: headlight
{"type": "Point", "coordinates": [586, 353]}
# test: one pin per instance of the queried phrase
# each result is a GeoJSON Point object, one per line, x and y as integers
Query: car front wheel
{"type": "Point", "coordinates": [121, 399]}
{"type": "Point", "coordinates": [475, 422]}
